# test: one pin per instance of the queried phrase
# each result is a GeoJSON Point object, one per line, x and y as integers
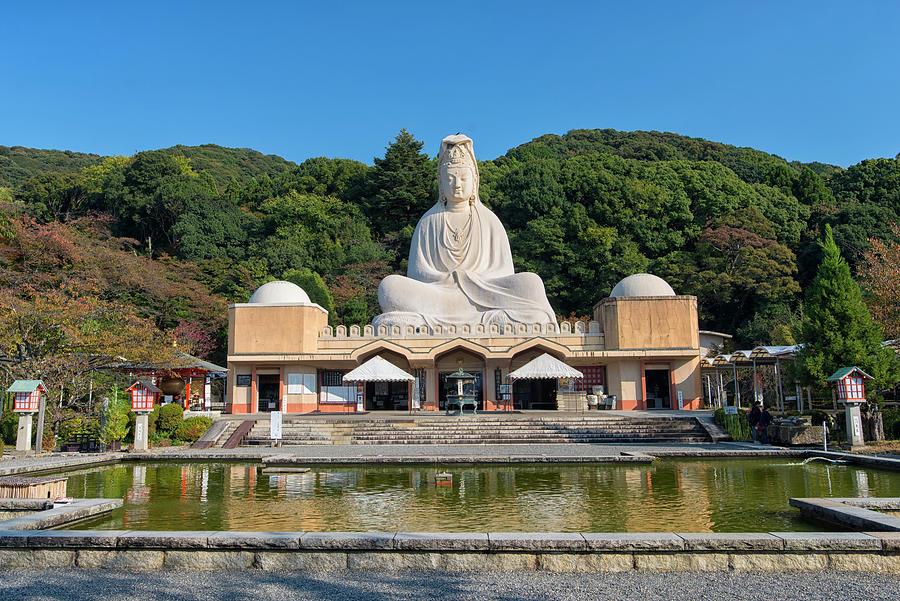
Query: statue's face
{"type": "Point", "coordinates": [457, 183]}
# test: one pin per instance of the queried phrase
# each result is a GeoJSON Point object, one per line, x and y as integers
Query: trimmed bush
{"type": "Point", "coordinates": [738, 426]}
{"type": "Point", "coordinates": [170, 417]}
{"type": "Point", "coordinates": [192, 428]}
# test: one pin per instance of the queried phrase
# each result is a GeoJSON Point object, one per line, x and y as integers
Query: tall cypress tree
{"type": "Point", "coordinates": [401, 186]}
{"type": "Point", "coordinates": [837, 328]}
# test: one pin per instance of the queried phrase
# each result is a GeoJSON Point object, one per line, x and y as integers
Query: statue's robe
{"type": "Point", "coordinates": [469, 281]}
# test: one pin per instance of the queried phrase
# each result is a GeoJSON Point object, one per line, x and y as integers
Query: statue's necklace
{"type": "Point", "coordinates": [463, 230]}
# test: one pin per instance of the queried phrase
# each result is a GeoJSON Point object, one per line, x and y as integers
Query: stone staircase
{"type": "Point", "coordinates": [484, 429]}
{"type": "Point", "coordinates": [293, 432]}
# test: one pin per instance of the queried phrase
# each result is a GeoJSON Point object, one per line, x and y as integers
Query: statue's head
{"type": "Point", "coordinates": [457, 170]}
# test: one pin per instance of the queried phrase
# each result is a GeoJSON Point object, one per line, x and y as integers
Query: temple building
{"type": "Point", "coordinates": [642, 346]}
{"type": "Point", "coordinates": [462, 309]}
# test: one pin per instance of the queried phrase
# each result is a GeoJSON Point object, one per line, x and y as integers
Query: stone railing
{"type": "Point", "coordinates": [474, 330]}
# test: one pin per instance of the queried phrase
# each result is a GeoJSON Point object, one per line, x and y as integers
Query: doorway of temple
{"type": "Point", "coordinates": [657, 385]}
{"type": "Point", "coordinates": [269, 392]}
{"type": "Point", "coordinates": [534, 394]}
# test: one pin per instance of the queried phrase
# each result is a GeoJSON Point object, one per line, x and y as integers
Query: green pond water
{"type": "Point", "coordinates": [721, 495]}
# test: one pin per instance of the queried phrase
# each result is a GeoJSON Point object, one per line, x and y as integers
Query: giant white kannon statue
{"type": "Point", "coordinates": [460, 265]}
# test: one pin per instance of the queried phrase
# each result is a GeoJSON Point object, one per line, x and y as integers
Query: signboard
{"type": "Point", "coordinates": [680, 400]}
{"type": "Point", "coordinates": [275, 425]}
{"type": "Point", "coordinates": [243, 380]}
{"type": "Point", "coordinates": [207, 394]}
{"type": "Point", "coordinates": [857, 430]}
{"type": "Point", "coordinates": [730, 410]}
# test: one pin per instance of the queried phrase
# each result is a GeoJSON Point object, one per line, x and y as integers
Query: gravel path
{"type": "Point", "coordinates": [103, 585]}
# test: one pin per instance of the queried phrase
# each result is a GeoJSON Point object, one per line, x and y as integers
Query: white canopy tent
{"type": "Point", "coordinates": [545, 367]}
{"type": "Point", "coordinates": [378, 369]}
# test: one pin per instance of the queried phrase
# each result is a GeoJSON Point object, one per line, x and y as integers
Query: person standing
{"type": "Point", "coordinates": [753, 418]}
{"type": "Point", "coordinates": [765, 418]}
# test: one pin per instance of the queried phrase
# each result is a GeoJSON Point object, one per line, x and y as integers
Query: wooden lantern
{"type": "Point", "coordinates": [850, 384]}
{"type": "Point", "coordinates": [27, 395]}
{"type": "Point", "coordinates": [143, 396]}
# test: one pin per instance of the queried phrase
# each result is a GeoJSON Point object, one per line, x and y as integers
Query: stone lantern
{"type": "Point", "coordinates": [27, 402]}
{"type": "Point", "coordinates": [143, 397]}
{"type": "Point", "coordinates": [851, 391]}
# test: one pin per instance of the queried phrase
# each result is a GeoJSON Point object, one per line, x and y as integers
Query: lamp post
{"type": "Point", "coordinates": [27, 400]}
{"type": "Point", "coordinates": [851, 392]}
{"type": "Point", "coordinates": [143, 397]}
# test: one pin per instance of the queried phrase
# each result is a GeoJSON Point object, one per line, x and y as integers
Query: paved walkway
{"type": "Point", "coordinates": [53, 461]}
{"type": "Point", "coordinates": [240, 585]}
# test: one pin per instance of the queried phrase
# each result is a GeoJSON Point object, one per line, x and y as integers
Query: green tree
{"type": "Point", "coordinates": [314, 286]}
{"type": "Point", "coordinates": [837, 329]}
{"type": "Point", "coordinates": [53, 196]}
{"type": "Point", "coordinates": [401, 186]}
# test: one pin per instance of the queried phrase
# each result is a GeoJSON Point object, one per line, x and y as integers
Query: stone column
{"type": "Point", "coordinates": [430, 402]}
{"type": "Point", "coordinates": [141, 431]}
{"type": "Point", "coordinates": [23, 437]}
{"type": "Point", "coordinates": [854, 426]}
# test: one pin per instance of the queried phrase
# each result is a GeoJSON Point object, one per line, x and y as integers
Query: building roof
{"type": "Point", "coordinates": [378, 369]}
{"type": "Point", "coordinates": [145, 384]}
{"type": "Point", "coordinates": [184, 361]}
{"type": "Point", "coordinates": [28, 386]}
{"type": "Point", "coordinates": [545, 367]}
{"type": "Point", "coordinates": [642, 284]}
{"type": "Point", "coordinates": [846, 371]}
{"type": "Point", "coordinates": [280, 293]}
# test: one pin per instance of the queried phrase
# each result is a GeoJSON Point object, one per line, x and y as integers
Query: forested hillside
{"type": "Point", "coordinates": [176, 234]}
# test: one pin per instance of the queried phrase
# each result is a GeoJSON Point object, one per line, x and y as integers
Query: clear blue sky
{"type": "Point", "coordinates": [804, 80]}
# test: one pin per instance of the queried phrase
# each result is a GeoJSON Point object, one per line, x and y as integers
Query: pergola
{"type": "Point", "coordinates": [748, 359]}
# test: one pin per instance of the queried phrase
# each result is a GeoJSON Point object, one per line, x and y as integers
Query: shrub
{"type": "Point", "coordinates": [170, 417]}
{"type": "Point", "coordinates": [9, 427]}
{"type": "Point", "coordinates": [192, 428]}
{"type": "Point", "coordinates": [116, 427]}
{"type": "Point", "coordinates": [152, 418]}
{"type": "Point", "coordinates": [891, 417]}
{"type": "Point", "coordinates": [1, 447]}
{"type": "Point", "coordinates": [737, 426]}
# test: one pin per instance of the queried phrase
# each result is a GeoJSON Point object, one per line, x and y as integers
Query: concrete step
{"type": "Point", "coordinates": [483, 430]}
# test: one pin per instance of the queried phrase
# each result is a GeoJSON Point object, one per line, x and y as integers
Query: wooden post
{"type": "Point", "coordinates": [42, 406]}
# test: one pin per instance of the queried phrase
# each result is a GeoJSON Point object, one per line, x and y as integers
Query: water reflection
{"type": "Point", "coordinates": [669, 495]}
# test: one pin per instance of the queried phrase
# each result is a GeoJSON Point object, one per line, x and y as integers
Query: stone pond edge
{"type": "Point", "coordinates": [563, 552]}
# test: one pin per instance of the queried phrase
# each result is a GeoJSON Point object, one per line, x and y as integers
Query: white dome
{"type": "Point", "coordinates": [279, 293]}
{"type": "Point", "coordinates": [642, 284]}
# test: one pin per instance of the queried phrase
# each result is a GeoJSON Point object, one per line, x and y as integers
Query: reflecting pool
{"type": "Point", "coordinates": [669, 495]}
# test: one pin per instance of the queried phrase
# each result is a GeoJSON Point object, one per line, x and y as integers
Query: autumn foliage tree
{"type": "Point", "coordinates": [62, 336]}
{"type": "Point", "coordinates": [880, 276]}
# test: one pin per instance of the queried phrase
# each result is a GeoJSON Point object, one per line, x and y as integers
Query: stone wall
{"type": "Point", "coordinates": [567, 552]}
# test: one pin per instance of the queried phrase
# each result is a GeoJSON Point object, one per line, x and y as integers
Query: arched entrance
{"type": "Point", "coordinates": [449, 362]}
